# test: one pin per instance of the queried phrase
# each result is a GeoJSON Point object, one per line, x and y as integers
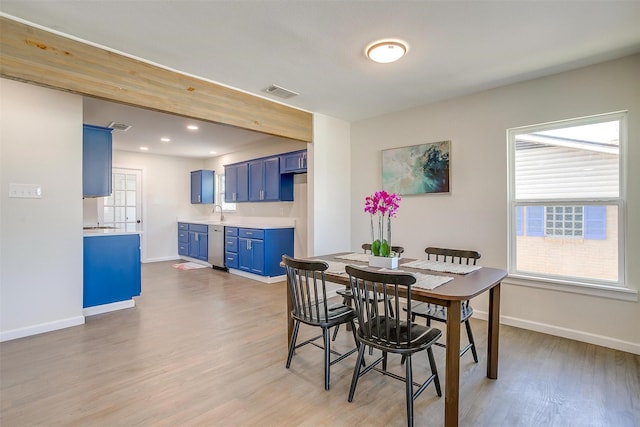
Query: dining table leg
{"type": "Point", "coordinates": [452, 379]}
{"type": "Point", "coordinates": [494, 332]}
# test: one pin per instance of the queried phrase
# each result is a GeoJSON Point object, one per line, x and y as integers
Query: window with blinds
{"type": "Point", "coordinates": [566, 200]}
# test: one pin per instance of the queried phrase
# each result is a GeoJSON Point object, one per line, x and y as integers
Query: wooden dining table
{"type": "Point", "coordinates": [450, 295]}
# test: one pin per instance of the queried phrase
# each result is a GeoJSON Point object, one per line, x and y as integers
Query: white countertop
{"type": "Point", "coordinates": [244, 222]}
{"type": "Point", "coordinates": [99, 232]}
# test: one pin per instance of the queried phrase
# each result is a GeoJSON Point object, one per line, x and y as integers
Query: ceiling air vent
{"type": "Point", "coordinates": [280, 92]}
{"type": "Point", "coordinates": [119, 126]}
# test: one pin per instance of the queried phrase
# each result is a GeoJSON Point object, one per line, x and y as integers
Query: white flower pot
{"type": "Point", "coordinates": [383, 262]}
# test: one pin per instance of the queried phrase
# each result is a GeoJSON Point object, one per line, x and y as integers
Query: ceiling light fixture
{"type": "Point", "coordinates": [192, 127]}
{"type": "Point", "coordinates": [165, 139]}
{"type": "Point", "coordinates": [386, 51]}
{"type": "Point", "coordinates": [144, 148]}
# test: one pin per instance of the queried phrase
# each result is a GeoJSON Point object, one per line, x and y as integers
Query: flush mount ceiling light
{"type": "Point", "coordinates": [386, 51]}
{"type": "Point", "coordinates": [192, 127]}
{"type": "Point", "coordinates": [165, 139]}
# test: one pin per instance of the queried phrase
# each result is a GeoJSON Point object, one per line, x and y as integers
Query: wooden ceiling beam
{"type": "Point", "coordinates": [39, 57]}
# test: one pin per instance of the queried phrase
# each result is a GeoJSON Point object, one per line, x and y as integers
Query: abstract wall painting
{"type": "Point", "coordinates": [417, 169]}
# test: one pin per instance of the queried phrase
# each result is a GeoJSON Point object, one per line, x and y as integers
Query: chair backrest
{"type": "Point", "coordinates": [379, 326]}
{"type": "Point", "coordinates": [459, 256]}
{"type": "Point", "coordinates": [366, 247]}
{"type": "Point", "coordinates": [306, 283]}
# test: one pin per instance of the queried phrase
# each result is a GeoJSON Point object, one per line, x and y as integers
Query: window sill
{"type": "Point", "coordinates": [603, 291]}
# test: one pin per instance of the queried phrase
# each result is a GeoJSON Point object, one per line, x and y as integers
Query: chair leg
{"type": "Point", "coordinates": [346, 301]}
{"type": "Point", "coordinates": [409, 383]}
{"type": "Point", "coordinates": [292, 345]}
{"type": "Point", "coordinates": [467, 324]}
{"type": "Point", "coordinates": [335, 333]}
{"type": "Point", "coordinates": [434, 371]}
{"type": "Point", "coordinates": [356, 373]}
{"type": "Point", "coordinates": [327, 356]}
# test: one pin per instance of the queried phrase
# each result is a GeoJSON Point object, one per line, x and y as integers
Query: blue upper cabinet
{"type": "Point", "coordinates": [257, 180]}
{"type": "Point", "coordinates": [295, 162]}
{"type": "Point", "coordinates": [96, 161]}
{"type": "Point", "coordinates": [236, 183]}
{"type": "Point", "coordinates": [266, 184]}
{"type": "Point", "coordinates": [202, 186]}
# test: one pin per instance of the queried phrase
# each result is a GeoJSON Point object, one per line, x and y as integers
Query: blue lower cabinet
{"type": "Point", "coordinates": [183, 239]}
{"type": "Point", "coordinates": [260, 250]}
{"type": "Point", "coordinates": [231, 247]}
{"type": "Point", "coordinates": [111, 269]}
{"type": "Point", "coordinates": [193, 240]}
{"type": "Point", "coordinates": [198, 241]}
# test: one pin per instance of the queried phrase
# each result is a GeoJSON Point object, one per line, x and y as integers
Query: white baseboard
{"type": "Point", "coordinates": [160, 259]}
{"type": "Point", "coordinates": [559, 331]}
{"type": "Point", "coordinates": [41, 328]}
{"type": "Point", "coordinates": [105, 308]}
{"type": "Point", "coordinates": [263, 279]}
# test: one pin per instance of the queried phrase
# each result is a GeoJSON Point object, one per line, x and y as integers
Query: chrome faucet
{"type": "Point", "coordinates": [214, 211]}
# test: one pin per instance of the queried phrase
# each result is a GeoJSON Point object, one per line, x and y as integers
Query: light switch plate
{"type": "Point", "coordinates": [25, 191]}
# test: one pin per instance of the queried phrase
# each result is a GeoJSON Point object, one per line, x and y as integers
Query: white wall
{"type": "Point", "coordinates": [41, 239]}
{"type": "Point", "coordinates": [474, 214]}
{"type": "Point", "coordinates": [166, 195]}
{"type": "Point", "coordinates": [330, 183]}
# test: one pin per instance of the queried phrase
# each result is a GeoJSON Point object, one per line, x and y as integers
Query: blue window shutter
{"type": "Point", "coordinates": [519, 225]}
{"type": "Point", "coordinates": [535, 221]}
{"type": "Point", "coordinates": [595, 222]}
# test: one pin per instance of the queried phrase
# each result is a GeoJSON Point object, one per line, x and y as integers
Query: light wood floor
{"type": "Point", "coordinates": [203, 347]}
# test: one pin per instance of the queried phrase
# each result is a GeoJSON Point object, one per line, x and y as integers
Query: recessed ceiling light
{"type": "Point", "coordinates": [144, 148]}
{"type": "Point", "coordinates": [192, 127]}
{"type": "Point", "coordinates": [212, 152]}
{"type": "Point", "coordinates": [165, 139]}
{"type": "Point", "coordinates": [386, 51]}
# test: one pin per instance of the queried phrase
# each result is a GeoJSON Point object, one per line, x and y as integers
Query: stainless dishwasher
{"type": "Point", "coordinates": [216, 246]}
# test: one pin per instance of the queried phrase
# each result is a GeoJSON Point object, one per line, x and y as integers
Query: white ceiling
{"type": "Point", "coordinates": [316, 48]}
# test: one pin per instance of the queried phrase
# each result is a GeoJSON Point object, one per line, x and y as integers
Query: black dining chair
{"type": "Point", "coordinates": [379, 328]}
{"type": "Point", "coordinates": [437, 312]}
{"type": "Point", "coordinates": [306, 283]}
{"type": "Point", "coordinates": [346, 293]}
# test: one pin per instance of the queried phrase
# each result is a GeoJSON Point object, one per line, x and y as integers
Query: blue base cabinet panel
{"type": "Point", "coordinates": [111, 269]}
{"type": "Point", "coordinates": [231, 247]}
{"type": "Point", "coordinates": [183, 239]}
{"type": "Point", "coordinates": [260, 250]}
{"type": "Point", "coordinates": [193, 240]}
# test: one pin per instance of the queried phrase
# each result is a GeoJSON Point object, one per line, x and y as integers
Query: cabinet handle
{"type": "Point", "coordinates": [248, 244]}
{"type": "Point", "coordinates": [198, 197]}
{"type": "Point", "coordinates": [196, 236]}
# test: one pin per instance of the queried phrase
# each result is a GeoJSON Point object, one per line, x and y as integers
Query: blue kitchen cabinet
{"type": "Point", "coordinates": [96, 161]}
{"type": "Point", "coordinates": [236, 183]}
{"type": "Point", "coordinates": [260, 250]}
{"type": "Point", "coordinates": [111, 270]}
{"type": "Point", "coordinates": [202, 186]}
{"type": "Point", "coordinates": [183, 239]}
{"type": "Point", "coordinates": [199, 241]}
{"type": "Point", "coordinates": [231, 247]}
{"type": "Point", "coordinates": [294, 162]}
{"type": "Point", "coordinates": [266, 184]}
